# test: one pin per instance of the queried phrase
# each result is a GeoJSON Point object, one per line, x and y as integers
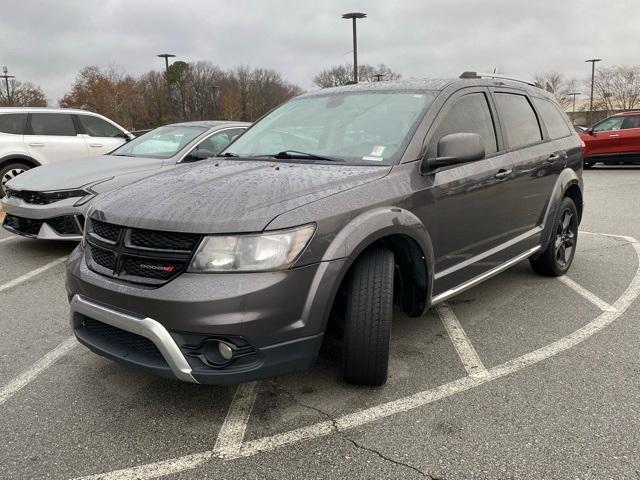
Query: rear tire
{"type": "Point", "coordinates": [556, 260]}
{"type": "Point", "coordinates": [11, 170]}
{"type": "Point", "coordinates": [369, 310]}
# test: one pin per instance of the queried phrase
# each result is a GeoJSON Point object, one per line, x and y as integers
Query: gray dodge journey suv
{"type": "Point", "coordinates": [329, 210]}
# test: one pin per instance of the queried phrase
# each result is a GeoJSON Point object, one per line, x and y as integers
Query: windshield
{"type": "Point", "coordinates": [163, 142]}
{"type": "Point", "coordinates": [357, 127]}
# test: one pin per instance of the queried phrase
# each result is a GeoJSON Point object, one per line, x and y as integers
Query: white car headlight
{"type": "Point", "coordinates": [251, 253]}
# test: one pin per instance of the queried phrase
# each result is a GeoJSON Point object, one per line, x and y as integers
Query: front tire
{"type": "Point", "coordinates": [556, 260]}
{"type": "Point", "coordinates": [369, 311]}
{"type": "Point", "coordinates": [9, 171]}
{"type": "Point", "coordinates": [587, 165]}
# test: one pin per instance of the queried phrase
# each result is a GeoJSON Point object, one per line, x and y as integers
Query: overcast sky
{"type": "Point", "coordinates": [48, 42]}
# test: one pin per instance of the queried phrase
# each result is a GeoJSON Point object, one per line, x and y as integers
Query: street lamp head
{"type": "Point", "coordinates": [354, 15]}
{"type": "Point", "coordinates": [166, 55]}
{"type": "Point", "coordinates": [593, 60]}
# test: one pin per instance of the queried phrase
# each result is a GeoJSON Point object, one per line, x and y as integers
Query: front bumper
{"type": "Point", "coordinates": [274, 320]}
{"type": "Point", "coordinates": [56, 221]}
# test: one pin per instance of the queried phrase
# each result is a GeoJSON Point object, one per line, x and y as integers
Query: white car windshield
{"type": "Point", "coordinates": [366, 127]}
{"type": "Point", "coordinates": [163, 142]}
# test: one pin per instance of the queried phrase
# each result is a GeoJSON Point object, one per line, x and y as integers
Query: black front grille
{"type": "Point", "coordinates": [147, 257]}
{"type": "Point", "coordinates": [104, 258]}
{"type": "Point", "coordinates": [25, 226]}
{"type": "Point", "coordinates": [164, 240]}
{"type": "Point", "coordinates": [65, 225]}
{"type": "Point", "coordinates": [36, 198]}
{"type": "Point", "coordinates": [107, 231]}
{"type": "Point", "coordinates": [120, 337]}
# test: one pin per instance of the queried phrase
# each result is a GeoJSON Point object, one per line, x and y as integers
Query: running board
{"type": "Point", "coordinates": [481, 278]}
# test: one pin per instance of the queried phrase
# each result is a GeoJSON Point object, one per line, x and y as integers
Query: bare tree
{"type": "Point", "coordinates": [22, 94]}
{"type": "Point", "coordinates": [616, 88]}
{"type": "Point", "coordinates": [343, 74]}
{"type": "Point", "coordinates": [557, 84]}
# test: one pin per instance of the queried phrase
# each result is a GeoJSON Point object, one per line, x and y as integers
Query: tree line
{"type": "Point", "coordinates": [202, 90]}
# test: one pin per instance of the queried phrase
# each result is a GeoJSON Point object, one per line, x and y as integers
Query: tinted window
{"type": "Point", "coordinates": [552, 118]}
{"type": "Point", "coordinates": [13, 123]}
{"type": "Point", "coordinates": [52, 124]}
{"type": "Point", "coordinates": [632, 121]}
{"type": "Point", "coordinates": [611, 123]}
{"type": "Point", "coordinates": [97, 127]}
{"type": "Point", "coordinates": [216, 142]}
{"type": "Point", "coordinates": [518, 120]}
{"type": "Point", "coordinates": [469, 114]}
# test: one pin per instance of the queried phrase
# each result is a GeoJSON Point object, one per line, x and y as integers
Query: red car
{"type": "Point", "coordinates": [614, 140]}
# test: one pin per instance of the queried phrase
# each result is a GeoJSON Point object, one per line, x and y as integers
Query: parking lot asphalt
{"type": "Point", "coordinates": [520, 377]}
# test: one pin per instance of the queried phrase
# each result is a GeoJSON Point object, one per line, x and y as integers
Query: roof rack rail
{"type": "Point", "coordinates": [495, 75]}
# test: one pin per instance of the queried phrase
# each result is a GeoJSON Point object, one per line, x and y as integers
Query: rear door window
{"type": "Point", "coordinates": [58, 124]}
{"type": "Point", "coordinates": [631, 121]}
{"type": "Point", "coordinates": [469, 114]}
{"type": "Point", "coordinates": [97, 127]}
{"type": "Point", "coordinates": [518, 120]}
{"type": "Point", "coordinates": [13, 123]}
{"type": "Point", "coordinates": [554, 120]}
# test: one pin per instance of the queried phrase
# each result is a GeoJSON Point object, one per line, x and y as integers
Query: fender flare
{"type": "Point", "coordinates": [25, 158]}
{"type": "Point", "coordinates": [568, 178]}
{"type": "Point", "coordinates": [360, 233]}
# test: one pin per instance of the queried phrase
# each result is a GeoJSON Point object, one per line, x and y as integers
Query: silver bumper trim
{"type": "Point", "coordinates": [146, 327]}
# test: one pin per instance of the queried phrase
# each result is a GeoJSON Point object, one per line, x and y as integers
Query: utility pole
{"type": "Point", "coordinates": [166, 57]}
{"type": "Point", "coordinates": [6, 77]}
{"type": "Point", "coordinates": [355, 16]}
{"type": "Point", "coordinates": [593, 62]}
{"type": "Point", "coordinates": [573, 112]}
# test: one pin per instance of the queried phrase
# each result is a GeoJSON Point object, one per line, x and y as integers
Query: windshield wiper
{"type": "Point", "coordinates": [227, 154]}
{"type": "Point", "coordinates": [289, 154]}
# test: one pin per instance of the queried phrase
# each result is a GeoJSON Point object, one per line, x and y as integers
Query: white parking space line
{"type": "Point", "coordinates": [7, 239]}
{"type": "Point", "coordinates": [36, 369]}
{"type": "Point", "coordinates": [466, 351]}
{"type": "Point", "coordinates": [593, 298]}
{"type": "Point", "coordinates": [235, 424]}
{"type": "Point", "coordinates": [28, 276]}
{"type": "Point", "coordinates": [402, 405]}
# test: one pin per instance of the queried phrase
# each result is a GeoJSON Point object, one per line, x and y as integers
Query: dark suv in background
{"type": "Point", "coordinates": [332, 208]}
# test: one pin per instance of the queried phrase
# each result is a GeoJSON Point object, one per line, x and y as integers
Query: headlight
{"type": "Point", "coordinates": [251, 253]}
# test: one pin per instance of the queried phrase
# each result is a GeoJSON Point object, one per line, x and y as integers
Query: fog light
{"type": "Point", "coordinates": [225, 350]}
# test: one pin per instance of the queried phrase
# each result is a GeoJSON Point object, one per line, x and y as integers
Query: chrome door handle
{"type": "Point", "coordinates": [95, 145]}
{"type": "Point", "coordinates": [36, 144]}
{"type": "Point", "coordinates": [502, 174]}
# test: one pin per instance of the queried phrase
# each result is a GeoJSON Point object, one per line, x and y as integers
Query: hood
{"type": "Point", "coordinates": [81, 171]}
{"type": "Point", "coordinates": [226, 196]}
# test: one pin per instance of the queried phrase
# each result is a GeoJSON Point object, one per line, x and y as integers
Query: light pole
{"type": "Point", "coordinates": [573, 112]}
{"type": "Point", "coordinates": [593, 62]}
{"type": "Point", "coordinates": [355, 16]}
{"type": "Point", "coordinates": [6, 77]}
{"type": "Point", "coordinates": [166, 57]}
{"type": "Point", "coordinates": [378, 77]}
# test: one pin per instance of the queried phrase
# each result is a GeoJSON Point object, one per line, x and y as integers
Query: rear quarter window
{"type": "Point", "coordinates": [58, 124]}
{"type": "Point", "coordinates": [518, 119]}
{"type": "Point", "coordinates": [553, 119]}
{"type": "Point", "coordinates": [13, 123]}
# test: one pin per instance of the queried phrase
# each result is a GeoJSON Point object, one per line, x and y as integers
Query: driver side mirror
{"type": "Point", "coordinates": [590, 131]}
{"type": "Point", "coordinates": [453, 149]}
